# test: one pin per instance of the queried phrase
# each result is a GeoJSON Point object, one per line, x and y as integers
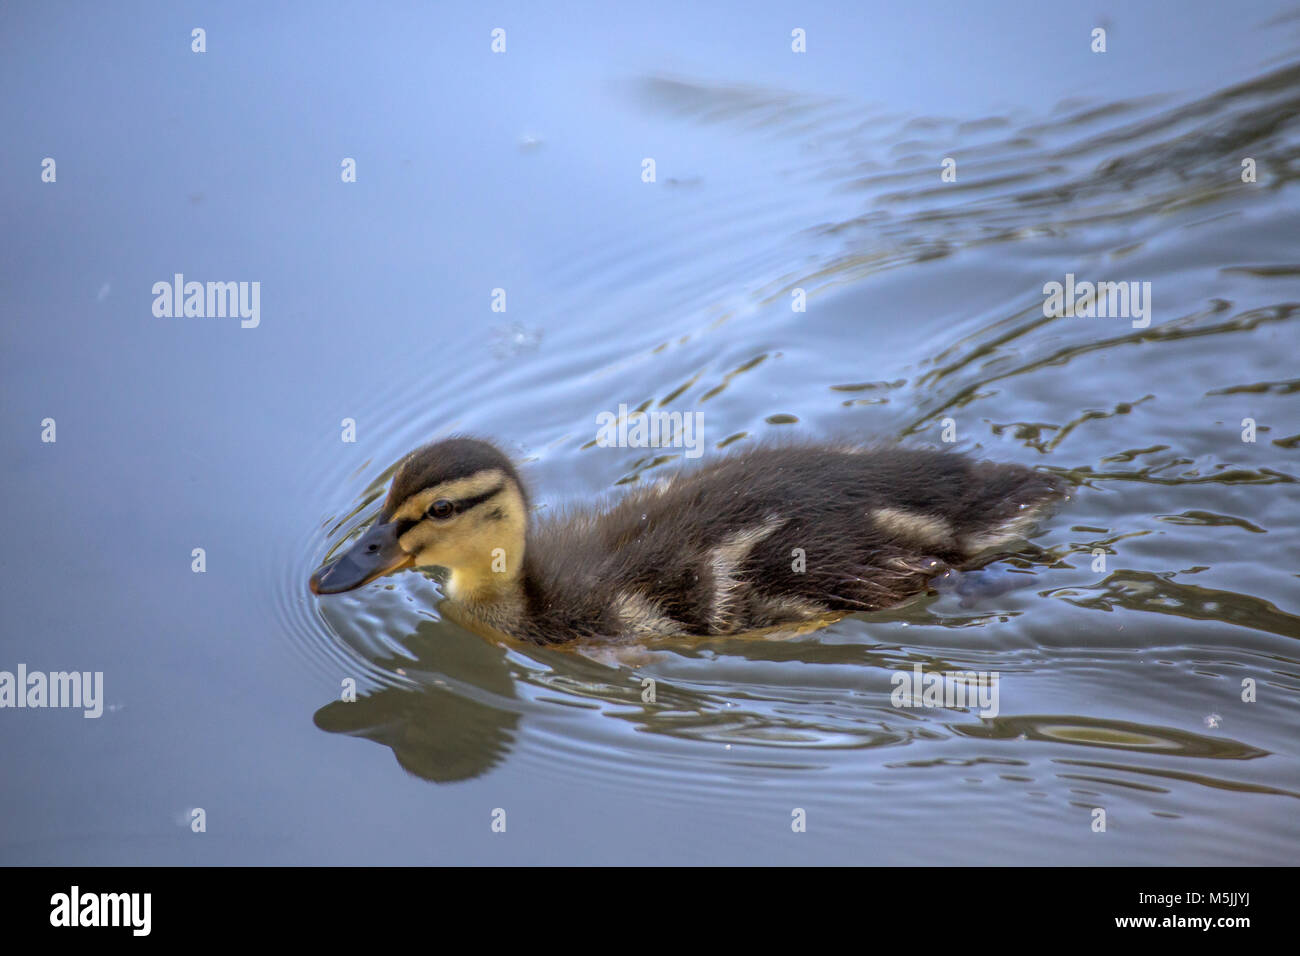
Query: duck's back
{"type": "Point", "coordinates": [772, 536]}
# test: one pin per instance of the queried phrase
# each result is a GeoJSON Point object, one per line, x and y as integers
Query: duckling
{"type": "Point", "coordinates": [772, 536]}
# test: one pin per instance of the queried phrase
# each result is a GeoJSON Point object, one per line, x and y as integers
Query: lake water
{"type": "Point", "coordinates": [1159, 597]}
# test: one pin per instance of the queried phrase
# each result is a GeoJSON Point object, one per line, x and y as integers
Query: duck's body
{"type": "Point", "coordinates": [772, 536]}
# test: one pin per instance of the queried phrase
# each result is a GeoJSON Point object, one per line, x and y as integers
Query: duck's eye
{"type": "Point", "coordinates": [442, 509]}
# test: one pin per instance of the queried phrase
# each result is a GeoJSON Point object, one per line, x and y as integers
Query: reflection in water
{"type": "Point", "coordinates": [435, 728]}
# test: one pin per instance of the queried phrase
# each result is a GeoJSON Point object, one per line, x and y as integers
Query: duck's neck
{"type": "Point", "coordinates": [485, 596]}
{"type": "Point", "coordinates": [490, 585]}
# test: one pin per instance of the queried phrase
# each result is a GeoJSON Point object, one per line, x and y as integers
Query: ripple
{"type": "Point", "coordinates": [692, 310]}
{"type": "Point", "coordinates": [1113, 735]}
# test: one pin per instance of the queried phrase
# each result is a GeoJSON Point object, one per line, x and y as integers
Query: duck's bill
{"type": "Point", "coordinates": [374, 554]}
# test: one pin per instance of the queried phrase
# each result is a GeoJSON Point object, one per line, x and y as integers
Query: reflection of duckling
{"type": "Point", "coordinates": [771, 536]}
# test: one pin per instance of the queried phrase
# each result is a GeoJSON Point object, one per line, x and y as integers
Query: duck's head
{"type": "Point", "coordinates": [456, 504]}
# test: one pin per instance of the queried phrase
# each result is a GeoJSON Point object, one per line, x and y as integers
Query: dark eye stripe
{"type": "Point", "coordinates": [467, 503]}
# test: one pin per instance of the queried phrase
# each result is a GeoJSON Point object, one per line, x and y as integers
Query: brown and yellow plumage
{"type": "Point", "coordinates": [772, 536]}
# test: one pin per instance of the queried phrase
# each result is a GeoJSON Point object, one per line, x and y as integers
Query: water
{"type": "Point", "coordinates": [1120, 688]}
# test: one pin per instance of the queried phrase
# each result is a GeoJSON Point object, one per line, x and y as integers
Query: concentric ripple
{"type": "Point", "coordinates": [1127, 641]}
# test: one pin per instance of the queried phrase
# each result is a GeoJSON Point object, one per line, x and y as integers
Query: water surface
{"type": "Point", "coordinates": [1120, 686]}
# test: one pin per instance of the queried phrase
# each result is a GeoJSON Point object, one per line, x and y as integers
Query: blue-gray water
{"type": "Point", "coordinates": [1120, 687]}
